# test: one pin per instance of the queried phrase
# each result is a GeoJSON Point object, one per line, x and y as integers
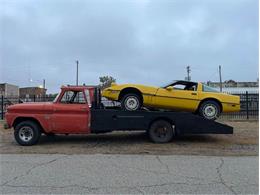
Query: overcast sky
{"type": "Point", "coordinates": [136, 41]}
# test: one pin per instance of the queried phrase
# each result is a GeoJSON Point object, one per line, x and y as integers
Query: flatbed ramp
{"type": "Point", "coordinates": [105, 120]}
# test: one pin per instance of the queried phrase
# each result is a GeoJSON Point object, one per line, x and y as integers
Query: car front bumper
{"type": "Point", "coordinates": [229, 107]}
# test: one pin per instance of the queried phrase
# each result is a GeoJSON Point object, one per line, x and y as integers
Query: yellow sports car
{"type": "Point", "coordinates": [180, 96]}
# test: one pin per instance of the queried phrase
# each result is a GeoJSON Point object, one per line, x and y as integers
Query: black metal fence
{"type": "Point", "coordinates": [249, 105]}
{"type": "Point", "coordinates": [11, 100]}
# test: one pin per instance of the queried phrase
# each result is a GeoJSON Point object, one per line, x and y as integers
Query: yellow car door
{"type": "Point", "coordinates": [177, 98]}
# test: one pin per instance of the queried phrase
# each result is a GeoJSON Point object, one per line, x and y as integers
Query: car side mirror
{"type": "Point", "coordinates": [170, 88]}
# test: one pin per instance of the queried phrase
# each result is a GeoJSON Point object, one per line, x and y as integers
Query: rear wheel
{"type": "Point", "coordinates": [209, 110]}
{"type": "Point", "coordinates": [161, 131]}
{"type": "Point", "coordinates": [27, 133]}
{"type": "Point", "coordinates": [131, 102]}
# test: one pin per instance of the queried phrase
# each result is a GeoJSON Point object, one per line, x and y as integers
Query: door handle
{"type": "Point", "coordinates": [193, 93]}
{"type": "Point", "coordinates": [83, 108]}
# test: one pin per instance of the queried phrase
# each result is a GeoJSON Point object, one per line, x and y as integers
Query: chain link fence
{"type": "Point", "coordinates": [249, 105]}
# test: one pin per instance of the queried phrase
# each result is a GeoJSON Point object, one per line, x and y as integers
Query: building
{"type": "Point", "coordinates": [9, 90]}
{"type": "Point", "coordinates": [232, 83]}
{"type": "Point", "coordinates": [234, 87]}
{"type": "Point", "coordinates": [32, 92]}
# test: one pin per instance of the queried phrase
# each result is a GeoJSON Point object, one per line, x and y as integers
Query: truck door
{"type": "Point", "coordinates": [71, 114]}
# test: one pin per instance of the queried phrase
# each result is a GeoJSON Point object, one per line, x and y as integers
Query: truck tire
{"type": "Point", "coordinates": [27, 133]}
{"type": "Point", "coordinates": [131, 102]}
{"type": "Point", "coordinates": [161, 131]}
{"type": "Point", "coordinates": [209, 110]}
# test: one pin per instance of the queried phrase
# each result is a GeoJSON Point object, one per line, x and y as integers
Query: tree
{"type": "Point", "coordinates": [106, 81]}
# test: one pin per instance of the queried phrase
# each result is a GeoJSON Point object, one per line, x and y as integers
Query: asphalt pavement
{"type": "Point", "coordinates": [135, 174]}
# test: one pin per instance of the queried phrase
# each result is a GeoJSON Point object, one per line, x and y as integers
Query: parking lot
{"type": "Point", "coordinates": [244, 142]}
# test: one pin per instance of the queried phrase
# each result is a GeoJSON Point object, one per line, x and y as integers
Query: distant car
{"type": "Point", "coordinates": [179, 95]}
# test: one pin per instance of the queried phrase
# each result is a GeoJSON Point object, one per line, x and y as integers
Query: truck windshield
{"type": "Point", "coordinates": [56, 98]}
{"type": "Point", "coordinates": [73, 97]}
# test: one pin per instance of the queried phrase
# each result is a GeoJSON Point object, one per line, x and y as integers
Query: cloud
{"type": "Point", "coordinates": [149, 42]}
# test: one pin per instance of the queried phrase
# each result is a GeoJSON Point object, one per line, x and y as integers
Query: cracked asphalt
{"type": "Point", "coordinates": [131, 174]}
{"type": "Point", "coordinates": [128, 163]}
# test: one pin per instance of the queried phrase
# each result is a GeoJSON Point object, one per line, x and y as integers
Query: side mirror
{"type": "Point", "coordinates": [170, 88]}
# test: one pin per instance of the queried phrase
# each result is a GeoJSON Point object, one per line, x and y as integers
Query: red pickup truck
{"type": "Point", "coordinates": [79, 110]}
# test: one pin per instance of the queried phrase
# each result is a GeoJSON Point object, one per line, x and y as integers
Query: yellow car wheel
{"type": "Point", "coordinates": [209, 110]}
{"type": "Point", "coordinates": [131, 102]}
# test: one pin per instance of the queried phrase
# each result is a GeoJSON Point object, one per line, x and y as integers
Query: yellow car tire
{"type": "Point", "coordinates": [131, 102]}
{"type": "Point", "coordinates": [209, 110]}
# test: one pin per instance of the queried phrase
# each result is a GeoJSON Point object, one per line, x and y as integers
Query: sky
{"type": "Point", "coordinates": [147, 42]}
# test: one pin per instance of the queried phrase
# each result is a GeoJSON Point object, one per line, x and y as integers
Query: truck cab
{"type": "Point", "coordinates": [69, 113]}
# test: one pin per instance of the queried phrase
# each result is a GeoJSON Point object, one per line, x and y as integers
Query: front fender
{"type": "Point", "coordinates": [41, 119]}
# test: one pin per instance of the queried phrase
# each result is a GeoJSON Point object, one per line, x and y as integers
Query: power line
{"type": "Point", "coordinates": [43, 83]}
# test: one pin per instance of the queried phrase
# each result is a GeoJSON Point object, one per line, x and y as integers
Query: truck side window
{"type": "Point", "coordinates": [79, 98]}
{"type": "Point", "coordinates": [88, 97]}
{"type": "Point", "coordinates": [66, 98]}
{"type": "Point", "coordinates": [73, 97]}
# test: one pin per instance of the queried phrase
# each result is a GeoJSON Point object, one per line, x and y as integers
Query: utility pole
{"type": "Point", "coordinates": [43, 84]}
{"type": "Point", "coordinates": [44, 93]}
{"type": "Point", "coordinates": [77, 73]}
{"type": "Point", "coordinates": [220, 78]}
{"type": "Point", "coordinates": [188, 73]}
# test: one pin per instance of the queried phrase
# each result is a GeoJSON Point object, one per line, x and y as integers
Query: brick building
{"type": "Point", "coordinates": [31, 92]}
{"type": "Point", "coordinates": [9, 90]}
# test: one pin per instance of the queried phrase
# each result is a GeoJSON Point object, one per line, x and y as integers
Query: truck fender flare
{"type": "Point", "coordinates": [20, 119]}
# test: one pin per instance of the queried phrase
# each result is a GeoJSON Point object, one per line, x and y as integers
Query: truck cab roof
{"type": "Point", "coordinates": [77, 88]}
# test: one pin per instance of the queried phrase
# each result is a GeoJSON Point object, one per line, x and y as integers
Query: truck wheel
{"type": "Point", "coordinates": [161, 131]}
{"type": "Point", "coordinates": [131, 102]}
{"type": "Point", "coordinates": [27, 133]}
{"type": "Point", "coordinates": [209, 110]}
